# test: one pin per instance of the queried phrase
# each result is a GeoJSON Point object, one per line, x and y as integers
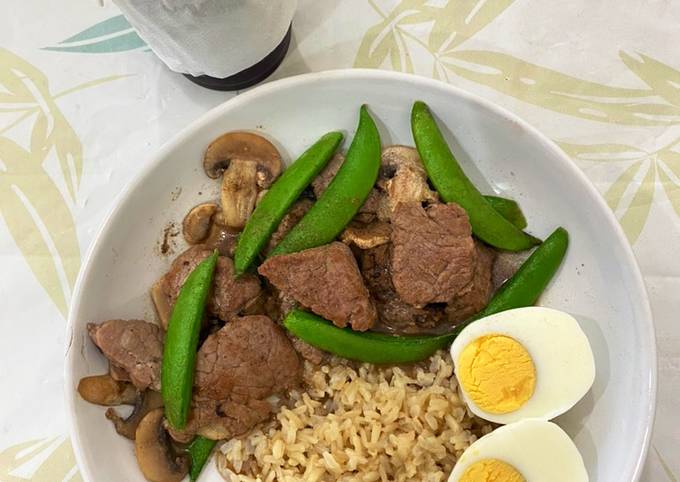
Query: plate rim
{"type": "Point", "coordinates": [153, 160]}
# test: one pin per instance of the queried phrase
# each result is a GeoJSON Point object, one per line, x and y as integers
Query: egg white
{"type": "Point", "coordinates": [541, 451]}
{"type": "Point", "coordinates": [561, 353]}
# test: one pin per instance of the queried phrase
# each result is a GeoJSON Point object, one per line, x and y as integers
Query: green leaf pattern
{"type": "Point", "coordinates": [109, 36]}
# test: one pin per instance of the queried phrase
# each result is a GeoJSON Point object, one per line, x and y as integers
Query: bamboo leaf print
{"type": "Point", "coordinates": [662, 78]}
{"type": "Point", "coordinates": [458, 21]}
{"type": "Point", "coordinates": [601, 152]}
{"type": "Point", "coordinates": [671, 189]}
{"type": "Point", "coordinates": [37, 213]}
{"type": "Point", "coordinates": [386, 41]}
{"type": "Point", "coordinates": [111, 35]}
{"type": "Point", "coordinates": [559, 92]}
{"type": "Point", "coordinates": [53, 456]}
{"type": "Point", "coordinates": [615, 193]}
{"type": "Point", "coordinates": [669, 165]}
{"type": "Point", "coordinates": [635, 214]}
{"type": "Point", "coordinates": [39, 220]}
{"type": "Point", "coordinates": [672, 160]}
{"type": "Point", "coordinates": [665, 466]}
{"type": "Point", "coordinates": [60, 134]}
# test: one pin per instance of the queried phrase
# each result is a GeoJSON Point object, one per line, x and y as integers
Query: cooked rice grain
{"type": "Point", "coordinates": [360, 424]}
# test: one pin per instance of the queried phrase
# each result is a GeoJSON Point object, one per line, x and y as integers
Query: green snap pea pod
{"type": "Point", "coordinates": [199, 451]}
{"type": "Point", "coordinates": [282, 194]}
{"type": "Point", "coordinates": [378, 348]}
{"type": "Point", "coordinates": [509, 209]}
{"type": "Point", "coordinates": [345, 194]}
{"type": "Point", "coordinates": [181, 341]}
{"type": "Point", "coordinates": [453, 185]}
{"type": "Point", "coordinates": [527, 284]}
{"type": "Point", "coordinates": [523, 289]}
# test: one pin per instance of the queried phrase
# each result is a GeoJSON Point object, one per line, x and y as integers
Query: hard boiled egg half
{"type": "Point", "coordinates": [525, 363]}
{"type": "Point", "coordinates": [527, 451]}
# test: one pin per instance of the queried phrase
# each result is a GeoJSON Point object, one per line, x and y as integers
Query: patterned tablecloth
{"type": "Point", "coordinates": [83, 103]}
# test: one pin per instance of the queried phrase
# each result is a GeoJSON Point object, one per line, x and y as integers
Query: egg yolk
{"type": "Point", "coordinates": [497, 373]}
{"type": "Point", "coordinates": [491, 470]}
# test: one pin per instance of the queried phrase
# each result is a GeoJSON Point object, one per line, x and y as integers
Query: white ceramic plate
{"type": "Point", "coordinates": [599, 282]}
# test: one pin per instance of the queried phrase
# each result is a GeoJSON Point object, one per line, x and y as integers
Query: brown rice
{"type": "Point", "coordinates": [360, 423]}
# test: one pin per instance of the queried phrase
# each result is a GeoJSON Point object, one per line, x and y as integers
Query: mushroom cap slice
{"type": "Point", "coordinates": [239, 193]}
{"type": "Point", "coordinates": [366, 236]}
{"type": "Point", "coordinates": [196, 224]}
{"type": "Point", "coordinates": [104, 390]}
{"type": "Point", "coordinates": [243, 146]}
{"type": "Point", "coordinates": [403, 176]}
{"type": "Point", "coordinates": [161, 302]}
{"type": "Point", "coordinates": [155, 455]}
{"type": "Point", "coordinates": [144, 402]}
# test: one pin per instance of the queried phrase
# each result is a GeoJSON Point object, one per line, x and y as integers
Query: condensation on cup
{"type": "Point", "coordinates": [219, 44]}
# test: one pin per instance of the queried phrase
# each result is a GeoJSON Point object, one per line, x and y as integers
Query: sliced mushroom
{"type": "Point", "coordinates": [403, 176]}
{"type": "Point", "coordinates": [161, 302]}
{"type": "Point", "coordinates": [366, 236]}
{"type": "Point", "coordinates": [250, 164]}
{"type": "Point", "coordinates": [197, 222]}
{"type": "Point", "coordinates": [239, 193]}
{"type": "Point", "coordinates": [144, 402]}
{"type": "Point", "coordinates": [157, 458]}
{"type": "Point", "coordinates": [222, 237]}
{"type": "Point", "coordinates": [104, 390]}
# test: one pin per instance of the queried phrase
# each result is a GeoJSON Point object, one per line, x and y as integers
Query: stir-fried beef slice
{"type": "Point", "coordinates": [292, 217]}
{"type": "Point", "coordinates": [229, 294]}
{"type": "Point", "coordinates": [250, 357]}
{"type": "Point", "coordinates": [473, 297]}
{"type": "Point", "coordinates": [308, 352]}
{"type": "Point", "coordinates": [394, 314]}
{"type": "Point", "coordinates": [134, 346]}
{"type": "Point", "coordinates": [433, 255]}
{"type": "Point", "coordinates": [326, 280]}
{"type": "Point", "coordinates": [222, 419]}
{"type": "Point", "coordinates": [237, 368]}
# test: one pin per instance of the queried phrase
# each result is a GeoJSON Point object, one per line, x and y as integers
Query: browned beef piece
{"type": "Point", "coordinates": [237, 368]}
{"type": "Point", "coordinates": [229, 295]}
{"type": "Point", "coordinates": [222, 419]}
{"type": "Point", "coordinates": [308, 352]}
{"type": "Point", "coordinates": [473, 297]}
{"type": "Point", "coordinates": [291, 218]}
{"type": "Point", "coordinates": [327, 281]}
{"type": "Point", "coordinates": [250, 356]}
{"type": "Point", "coordinates": [433, 255]}
{"type": "Point", "coordinates": [134, 346]}
{"type": "Point", "coordinates": [394, 314]}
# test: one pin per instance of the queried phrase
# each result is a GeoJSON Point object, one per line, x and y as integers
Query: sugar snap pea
{"type": "Point", "coordinates": [199, 451]}
{"type": "Point", "coordinates": [371, 347]}
{"type": "Point", "coordinates": [527, 284]}
{"type": "Point", "coordinates": [523, 289]}
{"type": "Point", "coordinates": [181, 341]}
{"type": "Point", "coordinates": [345, 194]}
{"type": "Point", "coordinates": [509, 209]}
{"type": "Point", "coordinates": [282, 194]}
{"type": "Point", "coordinates": [453, 185]}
